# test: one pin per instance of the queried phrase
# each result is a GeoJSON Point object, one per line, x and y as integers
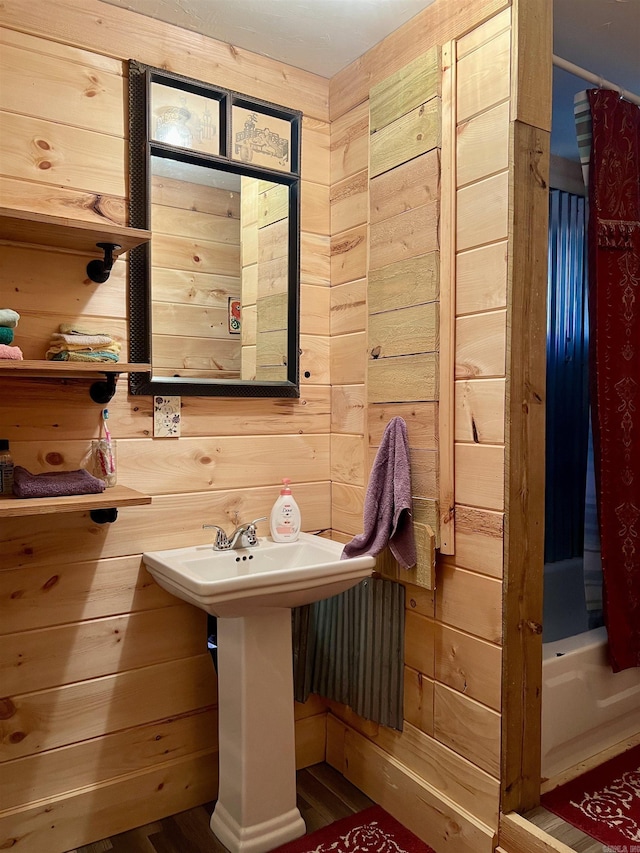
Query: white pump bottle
{"type": "Point", "coordinates": [285, 516]}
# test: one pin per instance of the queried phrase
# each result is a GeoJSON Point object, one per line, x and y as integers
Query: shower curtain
{"type": "Point", "coordinates": [614, 314]}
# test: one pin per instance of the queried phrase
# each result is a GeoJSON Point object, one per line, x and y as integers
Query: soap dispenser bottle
{"type": "Point", "coordinates": [285, 516]}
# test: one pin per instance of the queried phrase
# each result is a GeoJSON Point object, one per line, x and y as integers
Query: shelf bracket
{"type": "Point", "coordinates": [104, 516]}
{"type": "Point", "coordinates": [103, 390]}
{"type": "Point", "coordinates": [99, 270]}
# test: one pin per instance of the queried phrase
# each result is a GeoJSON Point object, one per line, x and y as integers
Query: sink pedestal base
{"type": "Point", "coordinates": [256, 808]}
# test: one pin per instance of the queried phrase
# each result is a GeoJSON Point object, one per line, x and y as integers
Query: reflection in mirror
{"type": "Point", "coordinates": [214, 299]}
{"type": "Point", "coordinates": [219, 273]}
{"type": "Point", "coordinates": [196, 275]}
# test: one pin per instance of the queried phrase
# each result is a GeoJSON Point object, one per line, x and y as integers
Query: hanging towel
{"type": "Point", "coordinates": [9, 318]}
{"type": "Point", "coordinates": [6, 335]}
{"type": "Point", "coordinates": [14, 353]}
{"type": "Point", "coordinates": [54, 484]}
{"type": "Point", "coordinates": [387, 504]}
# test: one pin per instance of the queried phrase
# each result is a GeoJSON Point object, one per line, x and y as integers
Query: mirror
{"type": "Point", "coordinates": [214, 296]}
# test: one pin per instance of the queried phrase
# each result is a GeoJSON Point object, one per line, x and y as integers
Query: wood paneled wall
{"type": "Point", "coordinates": [108, 715]}
{"type": "Point", "coordinates": [453, 636]}
{"type": "Point", "coordinates": [454, 689]}
{"type": "Point", "coordinates": [404, 284]}
{"type": "Point", "coordinates": [110, 695]}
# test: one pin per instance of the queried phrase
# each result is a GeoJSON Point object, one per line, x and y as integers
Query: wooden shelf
{"type": "Point", "coordinates": [12, 507]}
{"type": "Point", "coordinates": [35, 368]}
{"type": "Point", "coordinates": [41, 229]}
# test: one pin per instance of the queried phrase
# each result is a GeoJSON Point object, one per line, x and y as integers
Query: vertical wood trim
{"type": "Point", "coordinates": [531, 62]}
{"type": "Point", "coordinates": [524, 466]}
{"type": "Point", "coordinates": [446, 407]}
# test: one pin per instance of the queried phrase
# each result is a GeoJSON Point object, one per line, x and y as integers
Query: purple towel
{"type": "Point", "coordinates": [387, 504]}
{"type": "Point", "coordinates": [54, 484]}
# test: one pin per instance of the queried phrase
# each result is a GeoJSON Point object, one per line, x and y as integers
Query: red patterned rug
{"type": "Point", "coordinates": [370, 831]}
{"type": "Point", "coordinates": [604, 803]}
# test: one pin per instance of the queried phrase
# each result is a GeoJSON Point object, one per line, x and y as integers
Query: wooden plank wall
{"type": "Point", "coordinates": [403, 283]}
{"type": "Point", "coordinates": [448, 757]}
{"type": "Point", "coordinates": [525, 402]}
{"type": "Point", "coordinates": [108, 715]}
{"type": "Point", "coordinates": [89, 643]}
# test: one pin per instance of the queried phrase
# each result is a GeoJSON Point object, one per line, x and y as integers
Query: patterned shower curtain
{"type": "Point", "coordinates": [614, 314]}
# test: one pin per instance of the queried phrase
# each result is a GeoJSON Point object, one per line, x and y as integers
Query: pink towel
{"type": "Point", "coordinates": [387, 504]}
{"type": "Point", "coordinates": [14, 353]}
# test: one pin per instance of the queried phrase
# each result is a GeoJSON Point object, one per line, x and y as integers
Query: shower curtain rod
{"type": "Point", "coordinates": [594, 78]}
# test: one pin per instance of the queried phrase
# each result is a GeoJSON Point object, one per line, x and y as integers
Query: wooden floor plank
{"type": "Point", "coordinates": [135, 841]}
{"type": "Point", "coordinates": [324, 795]}
{"type": "Point", "coordinates": [352, 797]}
{"type": "Point", "coordinates": [321, 798]}
{"type": "Point", "coordinates": [563, 831]}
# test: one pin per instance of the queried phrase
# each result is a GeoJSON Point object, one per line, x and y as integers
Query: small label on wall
{"type": "Point", "coordinates": [166, 417]}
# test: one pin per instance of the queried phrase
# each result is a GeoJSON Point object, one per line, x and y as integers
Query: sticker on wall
{"type": "Point", "coordinates": [166, 417]}
{"type": "Point", "coordinates": [234, 316]}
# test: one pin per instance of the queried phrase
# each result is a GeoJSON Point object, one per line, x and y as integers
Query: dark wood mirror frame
{"type": "Point", "coordinates": [142, 147]}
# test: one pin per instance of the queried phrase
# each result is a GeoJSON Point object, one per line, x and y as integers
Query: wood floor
{"type": "Point", "coordinates": [323, 796]}
{"type": "Point", "coordinates": [563, 831]}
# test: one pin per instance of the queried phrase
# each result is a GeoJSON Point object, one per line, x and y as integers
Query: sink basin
{"type": "Point", "coordinates": [251, 592]}
{"type": "Point", "coordinates": [271, 574]}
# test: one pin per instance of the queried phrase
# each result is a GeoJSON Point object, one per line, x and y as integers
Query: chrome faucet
{"type": "Point", "coordinates": [221, 542]}
{"type": "Point", "coordinates": [244, 536]}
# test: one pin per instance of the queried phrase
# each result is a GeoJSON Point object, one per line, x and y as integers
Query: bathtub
{"type": "Point", "coordinates": [586, 708]}
{"type": "Point", "coordinates": [565, 610]}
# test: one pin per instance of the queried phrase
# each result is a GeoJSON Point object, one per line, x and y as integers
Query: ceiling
{"type": "Point", "coordinates": [324, 36]}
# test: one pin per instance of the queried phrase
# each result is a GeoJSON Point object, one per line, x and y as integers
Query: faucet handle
{"type": "Point", "coordinates": [221, 542]}
{"type": "Point", "coordinates": [250, 530]}
{"type": "Point", "coordinates": [245, 536]}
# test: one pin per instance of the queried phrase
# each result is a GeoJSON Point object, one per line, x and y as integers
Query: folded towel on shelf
{"type": "Point", "coordinates": [84, 355]}
{"type": "Point", "coordinates": [69, 329]}
{"type": "Point", "coordinates": [54, 484]}
{"type": "Point", "coordinates": [6, 335]}
{"type": "Point", "coordinates": [9, 318]}
{"type": "Point", "coordinates": [74, 344]}
{"type": "Point", "coordinates": [387, 504]}
{"type": "Point", "coordinates": [78, 341]}
{"type": "Point", "coordinates": [14, 353]}
{"type": "Point", "coordinates": [56, 347]}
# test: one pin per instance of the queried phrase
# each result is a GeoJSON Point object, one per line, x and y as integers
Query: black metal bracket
{"type": "Point", "coordinates": [104, 516]}
{"type": "Point", "coordinates": [103, 390]}
{"type": "Point", "coordinates": [100, 270]}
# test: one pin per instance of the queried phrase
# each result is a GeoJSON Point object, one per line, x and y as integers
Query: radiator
{"type": "Point", "coordinates": [350, 648]}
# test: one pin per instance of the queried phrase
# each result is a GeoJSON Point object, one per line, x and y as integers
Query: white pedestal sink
{"type": "Point", "coordinates": [251, 592]}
